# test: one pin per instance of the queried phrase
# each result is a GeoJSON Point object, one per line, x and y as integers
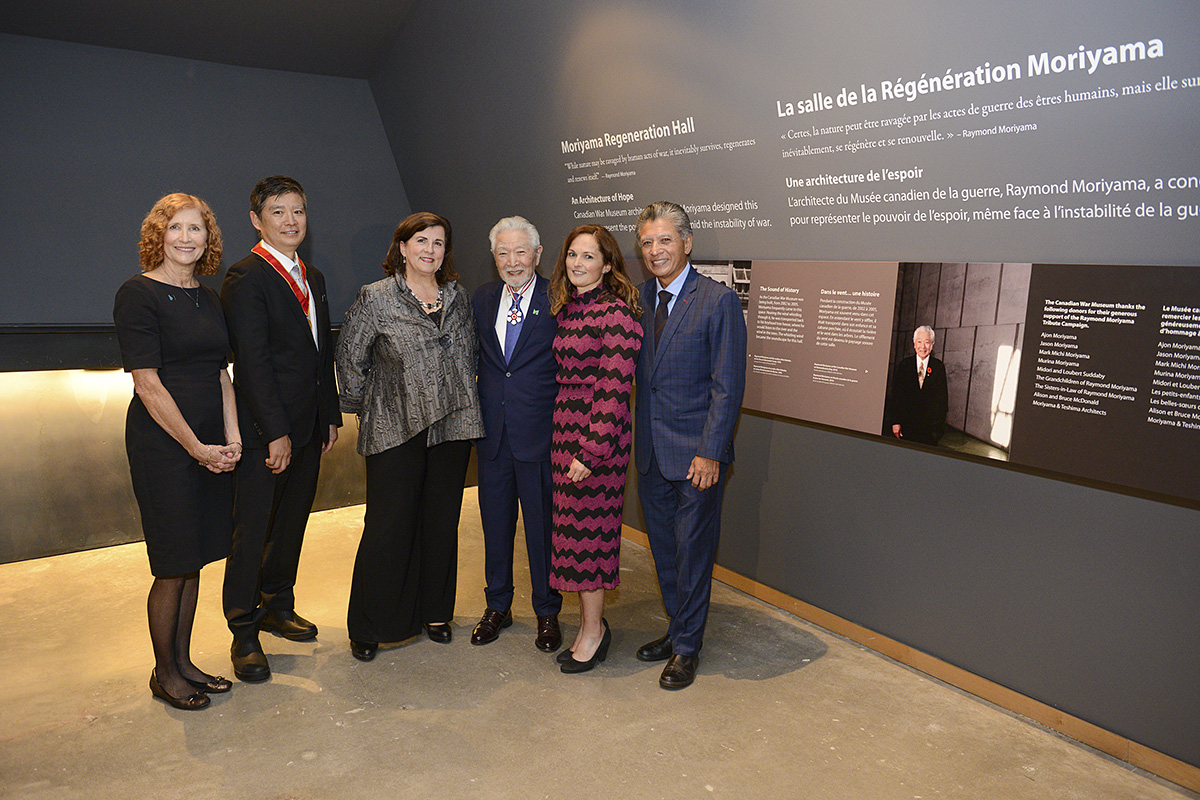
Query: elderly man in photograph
{"type": "Point", "coordinates": [690, 377]}
{"type": "Point", "coordinates": [278, 319]}
{"type": "Point", "coordinates": [920, 400]}
{"type": "Point", "coordinates": [516, 393]}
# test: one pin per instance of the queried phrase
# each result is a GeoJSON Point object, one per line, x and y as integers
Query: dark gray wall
{"type": "Point", "coordinates": [92, 137]}
{"type": "Point", "coordinates": [1086, 600]}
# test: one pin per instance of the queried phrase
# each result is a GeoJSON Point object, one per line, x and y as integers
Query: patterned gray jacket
{"type": "Point", "coordinates": [401, 372]}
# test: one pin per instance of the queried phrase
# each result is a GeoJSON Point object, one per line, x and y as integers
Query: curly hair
{"type": "Point", "coordinates": [154, 227]}
{"type": "Point", "coordinates": [409, 227]}
{"type": "Point", "coordinates": [616, 280]}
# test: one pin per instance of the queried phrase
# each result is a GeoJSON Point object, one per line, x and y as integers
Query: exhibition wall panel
{"type": "Point", "coordinates": [811, 133]}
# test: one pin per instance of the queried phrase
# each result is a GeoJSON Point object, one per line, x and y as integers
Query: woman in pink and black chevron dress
{"type": "Point", "coordinates": [596, 347]}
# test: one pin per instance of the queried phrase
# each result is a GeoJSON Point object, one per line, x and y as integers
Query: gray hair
{"type": "Point", "coordinates": [515, 224]}
{"type": "Point", "coordinates": [925, 329]}
{"type": "Point", "coordinates": [665, 209]}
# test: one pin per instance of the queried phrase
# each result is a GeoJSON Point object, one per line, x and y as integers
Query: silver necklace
{"type": "Point", "coordinates": [434, 306]}
{"type": "Point", "coordinates": [195, 298]}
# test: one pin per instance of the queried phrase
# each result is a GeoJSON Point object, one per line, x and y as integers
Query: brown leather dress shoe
{"type": "Point", "coordinates": [549, 635]}
{"type": "Point", "coordinates": [488, 628]}
{"type": "Point", "coordinates": [679, 672]}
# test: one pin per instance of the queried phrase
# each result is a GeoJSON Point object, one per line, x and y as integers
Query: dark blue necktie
{"type": "Point", "coordinates": [513, 329]}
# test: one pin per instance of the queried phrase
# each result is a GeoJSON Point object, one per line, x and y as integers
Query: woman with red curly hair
{"type": "Point", "coordinates": [181, 430]}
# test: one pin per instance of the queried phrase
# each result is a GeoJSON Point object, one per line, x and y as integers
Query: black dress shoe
{"type": "Point", "coordinates": [679, 672]}
{"type": "Point", "coordinates": [364, 651]}
{"type": "Point", "coordinates": [549, 635]}
{"type": "Point", "coordinates": [289, 625]}
{"type": "Point", "coordinates": [193, 702]}
{"type": "Point", "coordinates": [488, 628]}
{"type": "Point", "coordinates": [212, 685]}
{"type": "Point", "coordinates": [438, 632]}
{"type": "Point", "coordinates": [658, 650]}
{"type": "Point", "coordinates": [570, 666]}
{"type": "Point", "coordinates": [249, 661]}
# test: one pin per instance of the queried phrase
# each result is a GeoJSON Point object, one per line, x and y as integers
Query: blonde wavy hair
{"type": "Point", "coordinates": [154, 227]}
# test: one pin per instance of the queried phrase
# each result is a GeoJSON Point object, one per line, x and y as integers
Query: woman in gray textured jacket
{"type": "Point", "coordinates": [406, 365]}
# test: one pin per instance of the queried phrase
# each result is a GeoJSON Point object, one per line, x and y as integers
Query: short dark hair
{"type": "Point", "coordinates": [274, 186]}
{"type": "Point", "coordinates": [409, 227]}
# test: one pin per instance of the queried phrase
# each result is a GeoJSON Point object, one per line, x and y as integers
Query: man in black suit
{"type": "Point", "coordinates": [278, 319]}
{"type": "Point", "coordinates": [516, 393]}
{"type": "Point", "coordinates": [920, 400]}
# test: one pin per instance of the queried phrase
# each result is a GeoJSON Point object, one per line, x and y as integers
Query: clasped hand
{"type": "Point", "coordinates": [220, 457]}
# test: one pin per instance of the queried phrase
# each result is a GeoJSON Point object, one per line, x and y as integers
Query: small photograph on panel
{"type": "Point", "coordinates": [734, 274]}
{"type": "Point", "coordinates": [956, 355]}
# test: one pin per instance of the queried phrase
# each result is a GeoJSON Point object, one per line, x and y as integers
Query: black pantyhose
{"type": "Point", "coordinates": [171, 607]}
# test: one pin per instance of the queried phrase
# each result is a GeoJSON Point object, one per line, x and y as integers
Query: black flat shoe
{"type": "Point", "coordinates": [439, 632]}
{"type": "Point", "coordinates": [193, 702]}
{"type": "Point", "coordinates": [211, 685]}
{"type": "Point", "coordinates": [364, 651]}
{"type": "Point", "coordinates": [571, 666]}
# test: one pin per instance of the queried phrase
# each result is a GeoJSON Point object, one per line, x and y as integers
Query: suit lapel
{"type": "Point", "coordinates": [647, 321]}
{"type": "Point", "coordinates": [539, 306]}
{"type": "Point", "coordinates": [279, 285]}
{"type": "Point", "coordinates": [316, 285]}
{"type": "Point", "coordinates": [683, 304]}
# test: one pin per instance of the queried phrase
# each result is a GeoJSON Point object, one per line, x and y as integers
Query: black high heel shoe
{"type": "Point", "coordinates": [564, 656]}
{"type": "Point", "coordinates": [193, 702]}
{"type": "Point", "coordinates": [570, 666]}
{"type": "Point", "coordinates": [218, 685]}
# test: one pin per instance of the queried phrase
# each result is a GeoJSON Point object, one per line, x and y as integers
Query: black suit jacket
{"type": "Point", "coordinates": [920, 411]}
{"type": "Point", "coordinates": [283, 381]}
{"type": "Point", "coordinates": [519, 394]}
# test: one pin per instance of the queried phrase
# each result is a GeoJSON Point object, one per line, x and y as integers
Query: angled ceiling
{"type": "Point", "coordinates": [344, 38]}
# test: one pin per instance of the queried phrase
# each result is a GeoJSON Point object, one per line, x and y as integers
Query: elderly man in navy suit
{"type": "Point", "coordinates": [691, 374]}
{"type": "Point", "coordinates": [517, 385]}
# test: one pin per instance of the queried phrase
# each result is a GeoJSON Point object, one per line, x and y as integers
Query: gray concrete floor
{"type": "Point", "coordinates": [780, 708]}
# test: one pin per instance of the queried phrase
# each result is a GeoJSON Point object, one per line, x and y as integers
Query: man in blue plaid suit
{"type": "Point", "coordinates": [691, 373]}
